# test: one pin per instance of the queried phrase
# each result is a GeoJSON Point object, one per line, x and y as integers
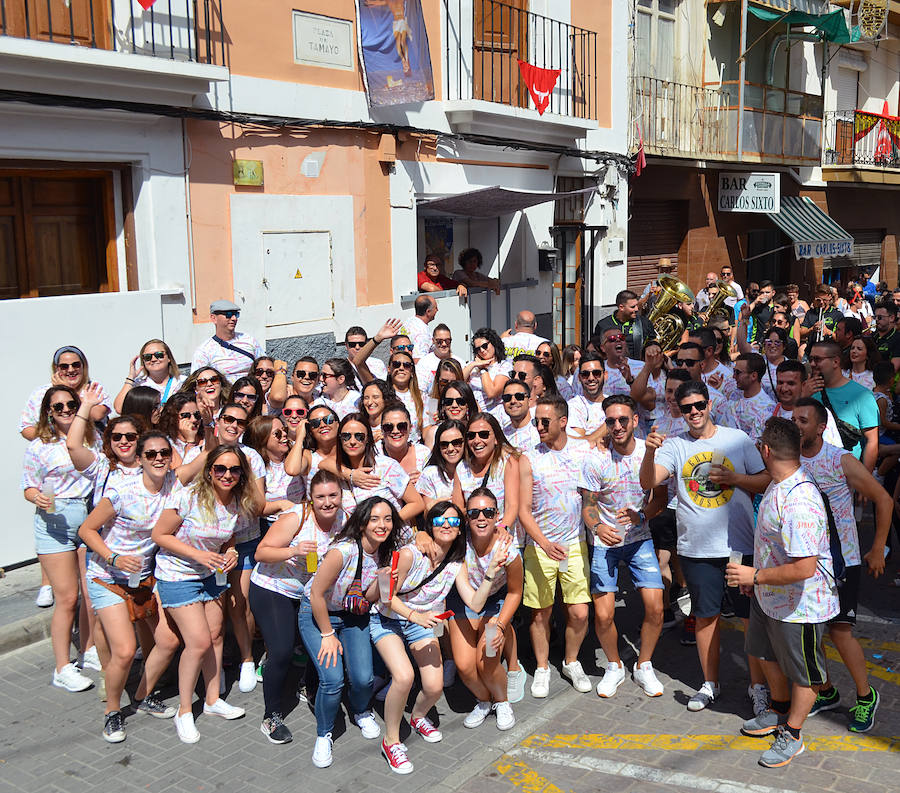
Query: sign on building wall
{"type": "Point", "coordinates": [394, 50]}
{"type": "Point", "coordinates": [749, 192]}
{"type": "Point", "coordinates": [323, 41]}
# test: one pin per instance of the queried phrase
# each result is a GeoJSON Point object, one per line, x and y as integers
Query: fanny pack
{"type": "Point", "coordinates": [354, 600]}
{"type": "Point", "coordinates": [850, 435]}
{"type": "Point", "coordinates": [139, 600]}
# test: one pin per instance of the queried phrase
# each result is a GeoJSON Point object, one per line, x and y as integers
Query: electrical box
{"type": "Point", "coordinates": [615, 249]}
{"type": "Point", "coordinates": [548, 259]}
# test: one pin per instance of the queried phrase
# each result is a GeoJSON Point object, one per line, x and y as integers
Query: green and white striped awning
{"type": "Point", "coordinates": [813, 233]}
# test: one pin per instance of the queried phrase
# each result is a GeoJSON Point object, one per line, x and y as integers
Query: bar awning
{"type": "Point", "coordinates": [813, 233]}
{"type": "Point", "coordinates": [491, 202]}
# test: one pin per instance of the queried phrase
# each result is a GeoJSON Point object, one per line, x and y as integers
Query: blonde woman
{"type": "Point", "coordinates": [153, 366]}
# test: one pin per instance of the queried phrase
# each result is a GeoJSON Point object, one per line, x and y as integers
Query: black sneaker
{"type": "Point", "coordinates": [827, 700]}
{"type": "Point", "coordinates": [727, 609]}
{"type": "Point", "coordinates": [275, 730]}
{"type": "Point", "coordinates": [114, 727]}
{"type": "Point", "coordinates": [152, 706]}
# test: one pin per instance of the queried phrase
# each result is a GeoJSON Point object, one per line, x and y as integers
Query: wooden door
{"type": "Point", "coordinates": [84, 22]}
{"type": "Point", "coordinates": [499, 40]}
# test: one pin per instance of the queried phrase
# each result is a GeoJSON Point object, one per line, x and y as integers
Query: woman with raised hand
{"type": "Point", "coordinates": [294, 414]}
{"type": "Point", "coordinates": [195, 535]}
{"type": "Point", "coordinates": [154, 366]}
{"type": "Point", "coordinates": [375, 395]}
{"type": "Point", "coordinates": [448, 370]}
{"type": "Point", "coordinates": [271, 375]}
{"type": "Point", "coordinates": [435, 483]}
{"type": "Point", "coordinates": [489, 371]}
{"type": "Point", "coordinates": [209, 386]}
{"type": "Point", "coordinates": [334, 618]}
{"type": "Point", "coordinates": [320, 438]}
{"type": "Point", "coordinates": [268, 436]}
{"type": "Point", "coordinates": [408, 620]}
{"type": "Point", "coordinates": [182, 423]}
{"type": "Point", "coordinates": [286, 559]}
{"type": "Point", "coordinates": [457, 403]}
{"type": "Point", "coordinates": [68, 368]}
{"type": "Point", "coordinates": [248, 393]}
{"type": "Point", "coordinates": [338, 387]}
{"type": "Point", "coordinates": [120, 579]}
{"type": "Point", "coordinates": [478, 636]}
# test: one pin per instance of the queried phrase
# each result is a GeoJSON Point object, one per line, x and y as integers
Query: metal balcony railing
{"type": "Point", "coordinates": [485, 39]}
{"type": "Point", "coordinates": [854, 138]}
{"type": "Point", "coordinates": [677, 119]}
{"type": "Point", "coordinates": [181, 30]}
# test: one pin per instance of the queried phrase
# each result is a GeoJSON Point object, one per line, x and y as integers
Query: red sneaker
{"type": "Point", "coordinates": [426, 729]}
{"type": "Point", "coordinates": [395, 754]}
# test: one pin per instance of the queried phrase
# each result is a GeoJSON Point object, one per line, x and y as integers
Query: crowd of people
{"type": "Point", "coordinates": [387, 517]}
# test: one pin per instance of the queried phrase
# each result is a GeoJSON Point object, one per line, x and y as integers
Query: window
{"type": "Point", "coordinates": [654, 31]}
{"type": "Point", "coordinates": [56, 233]}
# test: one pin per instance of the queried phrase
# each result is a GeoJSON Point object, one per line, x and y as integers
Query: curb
{"type": "Point", "coordinates": [25, 631]}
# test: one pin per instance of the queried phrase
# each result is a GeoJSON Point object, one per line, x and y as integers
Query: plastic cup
{"type": "Point", "coordinates": [564, 562]}
{"type": "Point", "coordinates": [490, 631]}
{"type": "Point", "coordinates": [134, 579]}
{"type": "Point", "coordinates": [735, 557]}
{"type": "Point", "coordinates": [47, 490]}
{"type": "Point", "coordinates": [384, 584]}
{"type": "Point", "coordinates": [438, 629]}
{"type": "Point", "coordinates": [312, 562]}
{"type": "Point", "coordinates": [221, 578]}
{"type": "Point", "coordinates": [718, 457]}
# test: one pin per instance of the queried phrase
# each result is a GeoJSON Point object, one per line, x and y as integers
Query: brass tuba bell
{"type": "Point", "coordinates": [664, 317]}
{"type": "Point", "coordinates": [716, 306]}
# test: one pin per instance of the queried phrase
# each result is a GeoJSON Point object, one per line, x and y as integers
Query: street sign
{"type": "Point", "coordinates": [749, 192]}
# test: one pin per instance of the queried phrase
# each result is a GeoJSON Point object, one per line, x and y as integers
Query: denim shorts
{"type": "Point", "coordinates": [100, 596]}
{"type": "Point", "coordinates": [57, 531]}
{"type": "Point", "coordinates": [246, 554]}
{"type": "Point", "coordinates": [491, 608]}
{"type": "Point", "coordinates": [381, 626]}
{"type": "Point", "coordinates": [173, 594]}
{"type": "Point", "coordinates": [640, 558]}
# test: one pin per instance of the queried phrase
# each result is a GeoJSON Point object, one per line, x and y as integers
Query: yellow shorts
{"type": "Point", "coordinates": [542, 573]}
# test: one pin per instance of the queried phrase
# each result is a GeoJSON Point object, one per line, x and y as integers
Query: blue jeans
{"type": "Point", "coordinates": [353, 633]}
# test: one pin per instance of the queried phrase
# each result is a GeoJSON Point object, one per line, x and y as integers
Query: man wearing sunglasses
{"type": "Point", "coordinates": [354, 340]}
{"type": "Point", "coordinates": [442, 341]}
{"type": "Point", "coordinates": [690, 358]}
{"type": "Point", "coordinates": [432, 278]}
{"type": "Point", "coordinates": [714, 516]}
{"type": "Point", "coordinates": [627, 319]}
{"type": "Point", "coordinates": [416, 327]}
{"type": "Point", "coordinates": [229, 350]}
{"type": "Point", "coordinates": [620, 369]}
{"type": "Point", "coordinates": [754, 406]}
{"type": "Point", "coordinates": [550, 513]}
{"type": "Point", "coordinates": [515, 415]}
{"type": "Point", "coordinates": [522, 338]}
{"type": "Point", "coordinates": [714, 372]}
{"type": "Point", "coordinates": [586, 408]}
{"type": "Point", "coordinates": [616, 513]}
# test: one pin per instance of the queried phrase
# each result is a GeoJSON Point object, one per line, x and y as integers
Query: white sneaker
{"type": "Point", "coordinates": [321, 756]}
{"type": "Point", "coordinates": [367, 725]}
{"type": "Point", "coordinates": [759, 697]}
{"type": "Point", "coordinates": [646, 678]}
{"type": "Point", "coordinates": [247, 681]}
{"type": "Point", "coordinates": [71, 679]}
{"type": "Point", "coordinates": [515, 685]}
{"type": "Point", "coordinates": [613, 677]}
{"type": "Point", "coordinates": [221, 708]}
{"type": "Point", "coordinates": [707, 694]}
{"type": "Point", "coordinates": [91, 660]}
{"type": "Point", "coordinates": [580, 681]}
{"type": "Point", "coordinates": [44, 597]}
{"type": "Point", "coordinates": [540, 686]}
{"type": "Point", "coordinates": [449, 673]}
{"type": "Point", "coordinates": [184, 727]}
{"type": "Point", "coordinates": [478, 715]}
{"type": "Point", "coordinates": [506, 719]}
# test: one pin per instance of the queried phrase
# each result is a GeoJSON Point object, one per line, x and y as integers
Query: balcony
{"type": "Point", "coordinates": [865, 143]}
{"type": "Point", "coordinates": [483, 87]}
{"type": "Point", "coordinates": [678, 120]}
{"type": "Point", "coordinates": [167, 53]}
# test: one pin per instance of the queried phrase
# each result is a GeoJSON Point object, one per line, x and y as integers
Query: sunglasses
{"type": "Point", "coordinates": [401, 365]}
{"type": "Point", "coordinates": [227, 314]}
{"type": "Point", "coordinates": [684, 361]}
{"type": "Point", "coordinates": [622, 421]}
{"type": "Point", "coordinates": [519, 376]}
{"type": "Point", "coordinates": [187, 415]}
{"type": "Point", "coordinates": [264, 372]}
{"type": "Point", "coordinates": [355, 344]}
{"type": "Point", "coordinates": [616, 337]}
{"type": "Point", "coordinates": [227, 419]}
{"type": "Point", "coordinates": [59, 407]}
{"type": "Point", "coordinates": [163, 454]}
{"type": "Point", "coordinates": [400, 426]}
{"type": "Point", "coordinates": [298, 412]}
{"type": "Point", "coordinates": [220, 471]}
{"type": "Point", "coordinates": [314, 423]}
{"type": "Point", "coordinates": [773, 342]}
{"type": "Point", "coordinates": [481, 347]}
{"type": "Point", "coordinates": [279, 434]}
{"type": "Point", "coordinates": [244, 395]}
{"type": "Point", "coordinates": [442, 342]}
{"type": "Point", "coordinates": [541, 422]}
{"type": "Point", "coordinates": [688, 407]}
{"type": "Point", "coordinates": [442, 521]}
{"type": "Point", "coordinates": [404, 348]}
{"type": "Point", "coordinates": [306, 374]}
{"type": "Point", "coordinates": [131, 437]}
{"type": "Point", "coordinates": [326, 375]}
{"type": "Point", "coordinates": [590, 374]}
{"type": "Point", "coordinates": [456, 443]}
{"type": "Point", "coordinates": [64, 367]}
{"type": "Point", "coordinates": [204, 381]}
{"type": "Point", "coordinates": [544, 354]}
{"type": "Point", "coordinates": [519, 396]}
{"type": "Point", "coordinates": [483, 434]}
{"type": "Point", "coordinates": [454, 401]}
{"type": "Point", "coordinates": [360, 436]}
{"type": "Point", "coordinates": [489, 512]}
{"type": "Point", "coordinates": [149, 356]}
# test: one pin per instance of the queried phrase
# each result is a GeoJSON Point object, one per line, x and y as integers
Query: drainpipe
{"type": "Point", "coordinates": [742, 74]}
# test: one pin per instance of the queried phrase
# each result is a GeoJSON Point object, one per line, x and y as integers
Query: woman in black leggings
{"type": "Point", "coordinates": [286, 558]}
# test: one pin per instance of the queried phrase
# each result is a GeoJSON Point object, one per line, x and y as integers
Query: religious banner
{"type": "Point", "coordinates": [394, 52]}
{"type": "Point", "coordinates": [540, 82]}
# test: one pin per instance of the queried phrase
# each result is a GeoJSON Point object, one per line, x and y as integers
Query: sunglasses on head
{"type": "Point", "coordinates": [306, 374]}
{"type": "Point", "coordinates": [400, 426]}
{"type": "Point", "coordinates": [163, 454]}
{"type": "Point", "coordinates": [188, 415]}
{"type": "Point", "coordinates": [59, 407]}
{"type": "Point", "coordinates": [448, 521]}
{"type": "Point", "coordinates": [204, 381]}
{"type": "Point", "coordinates": [244, 395]}
{"type": "Point", "coordinates": [401, 365]}
{"type": "Point", "coordinates": [355, 344]}
{"type": "Point", "coordinates": [404, 348]}
{"type": "Point", "coordinates": [454, 401]}
{"type": "Point", "coordinates": [314, 423]}
{"type": "Point", "coordinates": [229, 419]}
{"type": "Point", "coordinates": [131, 437]}
{"type": "Point", "coordinates": [541, 422]}
{"type": "Point", "coordinates": [264, 372]}
{"type": "Point", "coordinates": [221, 470]}
{"type": "Point", "coordinates": [483, 434]}
{"type": "Point", "coordinates": [456, 443]}
{"type": "Point", "coordinates": [228, 314]}
{"type": "Point", "coordinates": [519, 396]}
{"type": "Point", "coordinates": [519, 376]}
{"type": "Point", "coordinates": [149, 356]}
{"type": "Point", "coordinates": [298, 412]}
{"type": "Point", "coordinates": [622, 421]}
{"type": "Point", "coordinates": [360, 436]}
{"type": "Point", "coordinates": [64, 367]}
{"type": "Point", "coordinates": [481, 347]}
{"type": "Point", "coordinates": [489, 512]}
{"type": "Point", "coordinates": [688, 407]}
{"type": "Point", "coordinates": [589, 374]}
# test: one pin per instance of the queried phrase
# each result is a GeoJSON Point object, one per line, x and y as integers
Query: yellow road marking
{"type": "Point", "coordinates": [677, 742]}
{"type": "Point", "coordinates": [524, 776]}
{"type": "Point", "coordinates": [874, 670]}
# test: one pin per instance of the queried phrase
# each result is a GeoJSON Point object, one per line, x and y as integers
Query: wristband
{"type": "Point", "coordinates": [79, 416]}
{"type": "Point", "coordinates": [756, 578]}
{"type": "Point", "coordinates": [129, 380]}
{"type": "Point", "coordinates": [112, 559]}
{"type": "Point", "coordinates": [488, 577]}
{"type": "Point", "coordinates": [351, 477]}
{"type": "Point", "coordinates": [330, 633]}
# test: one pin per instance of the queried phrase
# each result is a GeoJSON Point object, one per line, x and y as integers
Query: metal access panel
{"type": "Point", "coordinates": [297, 277]}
